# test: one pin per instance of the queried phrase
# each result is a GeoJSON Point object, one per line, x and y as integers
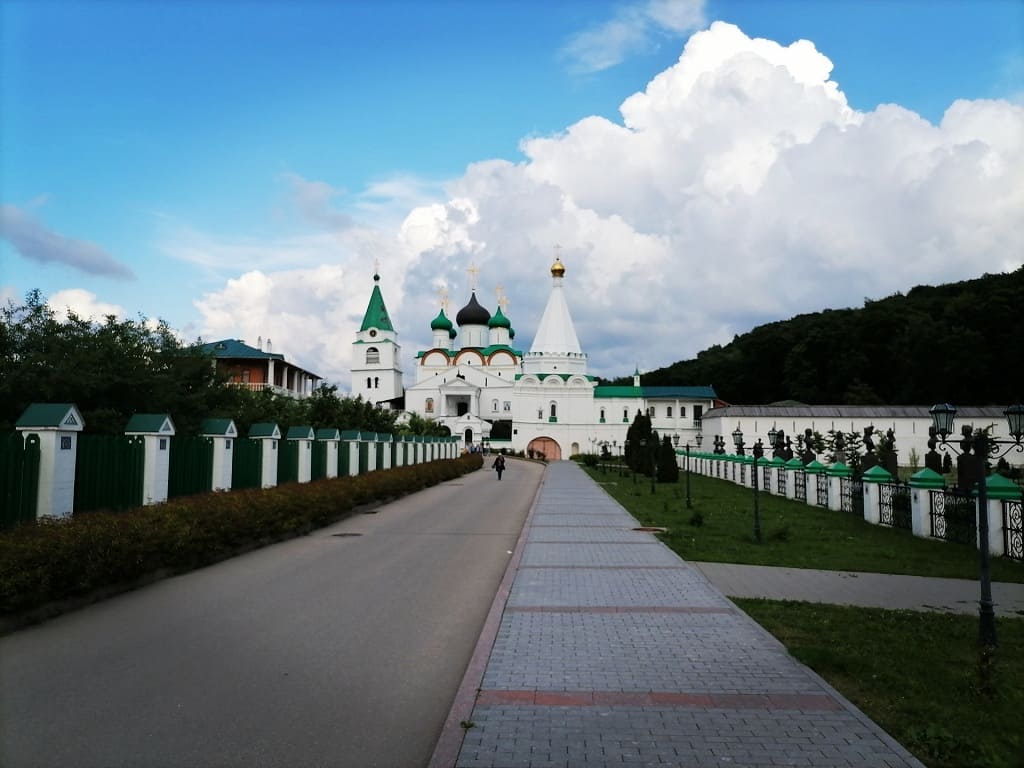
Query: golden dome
{"type": "Point", "coordinates": [557, 269]}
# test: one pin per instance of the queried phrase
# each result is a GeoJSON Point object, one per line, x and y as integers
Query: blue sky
{"type": "Point", "coordinates": [152, 153]}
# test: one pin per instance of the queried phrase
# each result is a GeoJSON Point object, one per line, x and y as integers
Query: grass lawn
{"type": "Point", "coordinates": [915, 674]}
{"type": "Point", "coordinates": [795, 534]}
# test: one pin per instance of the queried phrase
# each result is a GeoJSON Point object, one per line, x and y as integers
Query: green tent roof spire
{"type": "Point", "coordinates": [376, 313]}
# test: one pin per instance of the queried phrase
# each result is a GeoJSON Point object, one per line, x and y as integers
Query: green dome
{"type": "Point", "coordinates": [452, 333]}
{"type": "Point", "coordinates": [499, 320]}
{"type": "Point", "coordinates": [441, 322]}
{"type": "Point", "coordinates": [511, 332]}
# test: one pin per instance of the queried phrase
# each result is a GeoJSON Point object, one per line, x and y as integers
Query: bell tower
{"type": "Point", "coordinates": [376, 373]}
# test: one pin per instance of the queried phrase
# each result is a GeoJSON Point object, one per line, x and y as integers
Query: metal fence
{"type": "Point", "coordinates": [190, 469]}
{"type": "Point", "coordinates": [766, 479]}
{"type": "Point", "coordinates": [851, 495]}
{"type": "Point", "coordinates": [247, 463]}
{"type": "Point", "coordinates": [109, 472]}
{"type": "Point", "coordinates": [894, 505]}
{"type": "Point", "coordinates": [318, 467]}
{"type": "Point", "coordinates": [800, 485]}
{"type": "Point", "coordinates": [288, 462]}
{"type": "Point", "coordinates": [822, 490]}
{"type": "Point", "coordinates": [780, 482]}
{"type": "Point", "coordinates": [953, 516]}
{"type": "Point", "coordinates": [1013, 530]}
{"type": "Point", "coordinates": [19, 479]}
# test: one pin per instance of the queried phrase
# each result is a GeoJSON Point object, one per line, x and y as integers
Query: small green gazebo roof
{"type": "Point", "coordinates": [328, 433]}
{"type": "Point", "coordinates": [64, 416]}
{"type": "Point", "coordinates": [265, 429]}
{"type": "Point", "coordinates": [300, 433]}
{"type": "Point", "coordinates": [218, 428]}
{"type": "Point", "coordinates": [150, 424]}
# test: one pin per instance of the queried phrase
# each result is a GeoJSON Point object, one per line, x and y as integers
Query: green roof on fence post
{"type": "Point", "coordinates": [816, 468]}
{"type": "Point", "coordinates": [999, 487]}
{"type": "Point", "coordinates": [218, 428]}
{"type": "Point", "coordinates": [350, 434]}
{"type": "Point", "coordinates": [300, 433]}
{"type": "Point", "coordinates": [328, 433]}
{"type": "Point", "coordinates": [265, 429]}
{"type": "Point", "coordinates": [878, 474]}
{"type": "Point", "coordinates": [149, 424]}
{"type": "Point", "coordinates": [839, 469]}
{"type": "Point", "coordinates": [927, 478]}
{"type": "Point", "coordinates": [64, 416]}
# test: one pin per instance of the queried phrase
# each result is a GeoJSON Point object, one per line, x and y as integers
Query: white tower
{"type": "Point", "coordinates": [376, 374]}
{"type": "Point", "coordinates": [555, 348]}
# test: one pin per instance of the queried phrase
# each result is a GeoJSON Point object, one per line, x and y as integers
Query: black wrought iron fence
{"type": "Point", "coordinates": [1013, 530]}
{"type": "Point", "coordinates": [822, 490]}
{"type": "Point", "coordinates": [953, 516]}
{"type": "Point", "coordinates": [800, 485]}
{"type": "Point", "coordinates": [766, 479]}
{"type": "Point", "coordinates": [780, 482]}
{"type": "Point", "coordinates": [894, 505]}
{"type": "Point", "coordinates": [851, 495]}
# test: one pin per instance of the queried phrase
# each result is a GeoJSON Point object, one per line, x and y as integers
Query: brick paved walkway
{"type": "Point", "coordinates": [612, 651]}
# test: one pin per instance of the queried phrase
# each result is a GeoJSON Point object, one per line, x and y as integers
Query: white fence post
{"type": "Point", "coordinates": [156, 431]}
{"type": "Point", "coordinates": [57, 425]}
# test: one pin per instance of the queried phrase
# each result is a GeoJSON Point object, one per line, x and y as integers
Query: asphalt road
{"type": "Point", "coordinates": [322, 651]}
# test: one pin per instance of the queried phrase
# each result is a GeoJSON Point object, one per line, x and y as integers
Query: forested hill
{"type": "Point", "coordinates": [958, 343]}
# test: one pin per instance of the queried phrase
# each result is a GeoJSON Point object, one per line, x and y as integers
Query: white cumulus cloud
{"type": "Point", "coordinates": [739, 187]}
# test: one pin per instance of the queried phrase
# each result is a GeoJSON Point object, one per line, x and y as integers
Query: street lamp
{"type": "Point", "coordinates": [984, 447]}
{"type": "Point", "coordinates": [758, 451]}
{"type": "Point", "coordinates": [689, 503]}
{"type": "Point", "coordinates": [773, 433]}
{"type": "Point", "coordinates": [737, 440]}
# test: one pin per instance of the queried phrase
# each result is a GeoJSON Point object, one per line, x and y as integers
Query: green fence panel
{"type": "Point", "coordinates": [19, 479]}
{"type": "Point", "coordinates": [344, 457]}
{"type": "Point", "coordinates": [318, 469]}
{"type": "Point", "coordinates": [364, 458]}
{"type": "Point", "coordinates": [247, 464]}
{"type": "Point", "coordinates": [109, 472]}
{"type": "Point", "coordinates": [288, 462]}
{"type": "Point", "coordinates": [191, 466]}
{"type": "Point", "coordinates": [380, 455]}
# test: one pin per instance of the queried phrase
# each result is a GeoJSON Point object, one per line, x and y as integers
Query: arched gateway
{"type": "Point", "coordinates": [547, 446]}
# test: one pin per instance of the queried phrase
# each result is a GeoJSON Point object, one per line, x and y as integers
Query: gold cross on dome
{"type": "Point", "coordinates": [502, 298]}
{"type": "Point", "coordinates": [473, 270]}
{"type": "Point", "coordinates": [442, 294]}
{"type": "Point", "coordinates": [376, 266]}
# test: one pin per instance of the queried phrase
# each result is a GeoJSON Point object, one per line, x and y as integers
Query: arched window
{"type": "Point", "coordinates": [602, 414]}
{"type": "Point", "coordinates": [429, 408]}
{"type": "Point", "coordinates": [369, 382]}
{"type": "Point", "coordinates": [554, 411]}
{"type": "Point", "coordinates": [494, 406]}
{"type": "Point", "coordinates": [668, 411]}
{"type": "Point", "coordinates": [376, 382]}
{"type": "Point", "coordinates": [372, 356]}
{"type": "Point", "coordinates": [682, 411]}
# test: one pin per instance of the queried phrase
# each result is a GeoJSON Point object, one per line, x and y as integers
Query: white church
{"type": "Point", "coordinates": [474, 381]}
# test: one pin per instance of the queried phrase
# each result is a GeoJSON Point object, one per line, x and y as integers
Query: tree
{"type": "Point", "coordinates": [668, 468]}
{"type": "Point", "coordinates": [111, 368]}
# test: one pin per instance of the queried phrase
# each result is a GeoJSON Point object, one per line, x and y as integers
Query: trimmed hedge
{"type": "Point", "coordinates": [55, 560]}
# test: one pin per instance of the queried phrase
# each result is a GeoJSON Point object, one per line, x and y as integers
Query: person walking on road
{"type": "Point", "coordinates": [499, 465]}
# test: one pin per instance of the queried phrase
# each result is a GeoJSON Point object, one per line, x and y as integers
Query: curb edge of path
{"type": "Point", "coordinates": [449, 743]}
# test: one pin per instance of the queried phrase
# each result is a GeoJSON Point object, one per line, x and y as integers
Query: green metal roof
{"type": "Point", "coordinates": [225, 427]}
{"type": "Point", "coordinates": [299, 433]}
{"type": "Point", "coordinates": [236, 348]}
{"type": "Point", "coordinates": [618, 392]}
{"type": "Point", "coordinates": [328, 433]}
{"type": "Point", "coordinates": [51, 415]}
{"type": "Point", "coordinates": [150, 423]}
{"type": "Point", "coordinates": [376, 313]}
{"type": "Point", "coordinates": [265, 429]}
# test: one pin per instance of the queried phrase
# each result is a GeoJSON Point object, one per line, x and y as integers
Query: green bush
{"type": "Point", "coordinates": [53, 560]}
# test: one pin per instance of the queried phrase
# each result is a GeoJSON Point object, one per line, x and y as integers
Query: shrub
{"type": "Point", "coordinates": [52, 560]}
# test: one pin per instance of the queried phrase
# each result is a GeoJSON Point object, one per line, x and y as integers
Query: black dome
{"type": "Point", "coordinates": [473, 313]}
